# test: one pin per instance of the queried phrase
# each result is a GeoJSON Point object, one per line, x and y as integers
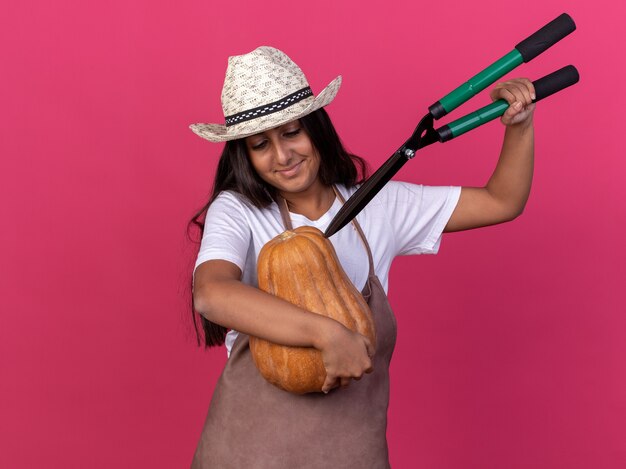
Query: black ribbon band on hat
{"type": "Point", "coordinates": [269, 108]}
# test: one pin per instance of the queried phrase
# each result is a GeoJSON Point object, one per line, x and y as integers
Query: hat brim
{"type": "Point", "coordinates": [221, 133]}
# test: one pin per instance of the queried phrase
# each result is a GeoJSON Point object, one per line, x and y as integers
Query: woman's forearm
{"type": "Point", "coordinates": [238, 306]}
{"type": "Point", "coordinates": [504, 196]}
{"type": "Point", "coordinates": [512, 178]}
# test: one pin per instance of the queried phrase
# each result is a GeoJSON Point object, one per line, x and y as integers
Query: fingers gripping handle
{"type": "Point", "coordinates": [546, 37]}
{"type": "Point", "coordinates": [544, 87]}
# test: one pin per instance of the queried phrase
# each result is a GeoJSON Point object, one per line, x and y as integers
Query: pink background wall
{"type": "Point", "coordinates": [511, 350]}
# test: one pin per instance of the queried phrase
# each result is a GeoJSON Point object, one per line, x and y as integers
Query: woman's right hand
{"type": "Point", "coordinates": [346, 355]}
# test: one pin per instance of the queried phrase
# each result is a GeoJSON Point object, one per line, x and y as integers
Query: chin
{"type": "Point", "coordinates": [294, 186]}
{"type": "Point", "coordinates": [293, 189]}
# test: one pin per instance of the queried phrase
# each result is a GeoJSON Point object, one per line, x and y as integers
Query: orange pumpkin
{"type": "Point", "coordinates": [301, 266]}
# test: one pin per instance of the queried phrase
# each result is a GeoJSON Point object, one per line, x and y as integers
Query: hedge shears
{"type": "Point", "coordinates": [425, 133]}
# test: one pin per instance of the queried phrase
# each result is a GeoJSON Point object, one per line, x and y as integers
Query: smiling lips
{"type": "Point", "coordinates": [291, 171]}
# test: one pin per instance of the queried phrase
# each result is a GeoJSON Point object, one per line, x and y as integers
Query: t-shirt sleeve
{"type": "Point", "coordinates": [226, 233]}
{"type": "Point", "coordinates": [418, 215]}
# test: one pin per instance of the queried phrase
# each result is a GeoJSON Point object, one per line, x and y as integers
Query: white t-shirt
{"type": "Point", "coordinates": [401, 219]}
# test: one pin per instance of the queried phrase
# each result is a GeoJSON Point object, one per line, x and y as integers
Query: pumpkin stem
{"type": "Point", "coordinates": [286, 235]}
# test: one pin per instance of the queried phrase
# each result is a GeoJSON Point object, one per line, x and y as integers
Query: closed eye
{"type": "Point", "coordinates": [292, 133]}
{"type": "Point", "coordinates": [260, 145]}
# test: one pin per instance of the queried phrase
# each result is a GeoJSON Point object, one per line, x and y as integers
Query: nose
{"type": "Point", "coordinates": [282, 152]}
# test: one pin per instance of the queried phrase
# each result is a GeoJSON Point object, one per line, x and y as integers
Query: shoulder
{"type": "Point", "coordinates": [232, 198]}
{"type": "Point", "coordinates": [396, 193]}
{"type": "Point", "coordinates": [231, 201]}
{"type": "Point", "coordinates": [402, 189]}
{"type": "Point", "coordinates": [405, 197]}
{"type": "Point", "coordinates": [400, 192]}
{"type": "Point", "coordinates": [392, 187]}
{"type": "Point", "coordinates": [237, 211]}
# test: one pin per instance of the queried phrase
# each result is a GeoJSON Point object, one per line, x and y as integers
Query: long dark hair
{"type": "Point", "coordinates": [235, 173]}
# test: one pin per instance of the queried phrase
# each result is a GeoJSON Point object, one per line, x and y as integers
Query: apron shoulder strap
{"type": "Point", "coordinates": [359, 230]}
{"type": "Point", "coordinates": [284, 212]}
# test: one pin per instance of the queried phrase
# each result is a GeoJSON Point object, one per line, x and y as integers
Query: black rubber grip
{"type": "Point", "coordinates": [437, 110]}
{"type": "Point", "coordinates": [445, 133]}
{"type": "Point", "coordinates": [556, 81]}
{"type": "Point", "coordinates": [546, 37]}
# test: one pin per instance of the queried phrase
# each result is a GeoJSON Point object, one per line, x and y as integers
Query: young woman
{"type": "Point", "coordinates": [284, 166]}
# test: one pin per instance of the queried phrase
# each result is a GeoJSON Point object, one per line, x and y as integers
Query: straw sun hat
{"type": "Point", "coordinates": [262, 90]}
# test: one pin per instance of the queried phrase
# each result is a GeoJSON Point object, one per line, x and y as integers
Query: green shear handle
{"type": "Point", "coordinates": [544, 87]}
{"type": "Point", "coordinates": [525, 51]}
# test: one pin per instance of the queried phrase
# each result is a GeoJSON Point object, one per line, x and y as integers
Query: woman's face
{"type": "Point", "coordinates": [285, 158]}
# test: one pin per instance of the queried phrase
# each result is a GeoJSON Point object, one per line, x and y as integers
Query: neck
{"type": "Point", "coordinates": [311, 204]}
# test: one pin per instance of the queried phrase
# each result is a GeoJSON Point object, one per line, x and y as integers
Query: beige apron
{"type": "Point", "coordinates": [253, 424]}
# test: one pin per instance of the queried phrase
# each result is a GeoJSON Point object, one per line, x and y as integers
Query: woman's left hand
{"type": "Point", "coordinates": [519, 93]}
